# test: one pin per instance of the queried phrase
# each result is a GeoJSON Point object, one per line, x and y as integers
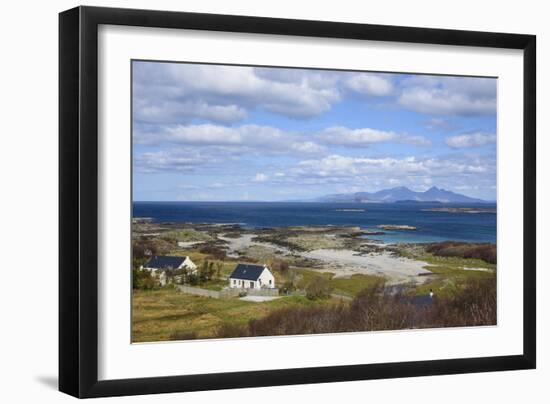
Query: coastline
{"type": "Point", "coordinates": [345, 259]}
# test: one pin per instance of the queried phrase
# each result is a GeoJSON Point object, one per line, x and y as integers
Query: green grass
{"type": "Point", "coordinates": [344, 286]}
{"type": "Point", "coordinates": [188, 235]}
{"type": "Point", "coordinates": [159, 314]}
{"type": "Point", "coordinates": [353, 285]}
{"type": "Point", "coordinates": [450, 272]}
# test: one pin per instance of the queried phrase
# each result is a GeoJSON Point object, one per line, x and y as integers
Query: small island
{"type": "Point", "coordinates": [461, 210]}
{"type": "Point", "coordinates": [396, 227]}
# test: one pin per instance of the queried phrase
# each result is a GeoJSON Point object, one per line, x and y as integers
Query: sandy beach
{"type": "Point", "coordinates": [344, 262]}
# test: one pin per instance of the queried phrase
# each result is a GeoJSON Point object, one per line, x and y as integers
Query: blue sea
{"type": "Point", "coordinates": [431, 226]}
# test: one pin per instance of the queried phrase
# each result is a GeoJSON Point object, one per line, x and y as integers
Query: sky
{"type": "Point", "coordinates": [242, 133]}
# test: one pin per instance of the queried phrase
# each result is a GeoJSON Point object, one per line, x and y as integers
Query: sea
{"type": "Point", "coordinates": [432, 226]}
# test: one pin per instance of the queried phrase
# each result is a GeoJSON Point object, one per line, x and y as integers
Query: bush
{"type": "Point", "coordinates": [212, 250]}
{"type": "Point", "coordinates": [318, 288]}
{"type": "Point", "coordinates": [143, 279]}
{"type": "Point", "coordinates": [183, 335]}
{"type": "Point", "coordinates": [145, 247]}
{"type": "Point", "coordinates": [278, 264]}
{"type": "Point", "coordinates": [228, 330]}
{"type": "Point", "coordinates": [483, 251]}
{"type": "Point", "coordinates": [379, 308]}
{"type": "Point", "coordinates": [474, 304]}
{"type": "Point", "coordinates": [287, 288]}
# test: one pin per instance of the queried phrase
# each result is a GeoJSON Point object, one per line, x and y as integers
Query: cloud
{"type": "Point", "coordinates": [463, 96]}
{"type": "Point", "coordinates": [260, 177]}
{"type": "Point", "coordinates": [173, 112]}
{"type": "Point", "coordinates": [370, 84]}
{"type": "Point", "coordinates": [340, 135]}
{"type": "Point", "coordinates": [269, 140]}
{"type": "Point", "coordinates": [414, 140]}
{"type": "Point", "coordinates": [345, 136]}
{"type": "Point", "coordinates": [338, 166]}
{"type": "Point", "coordinates": [303, 94]}
{"type": "Point", "coordinates": [175, 160]}
{"type": "Point", "coordinates": [441, 124]}
{"type": "Point", "coordinates": [240, 139]}
{"type": "Point", "coordinates": [477, 139]}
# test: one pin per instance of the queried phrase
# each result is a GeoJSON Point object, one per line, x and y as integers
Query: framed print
{"type": "Point", "coordinates": [251, 201]}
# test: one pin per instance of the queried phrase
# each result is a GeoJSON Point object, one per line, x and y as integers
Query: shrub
{"type": "Point", "coordinates": [228, 330]}
{"type": "Point", "coordinates": [287, 288]}
{"type": "Point", "coordinates": [474, 304]}
{"type": "Point", "coordinates": [483, 251]}
{"type": "Point", "coordinates": [379, 308]}
{"type": "Point", "coordinates": [144, 279]}
{"type": "Point", "coordinates": [318, 288]}
{"type": "Point", "coordinates": [145, 247]}
{"type": "Point", "coordinates": [183, 335]}
{"type": "Point", "coordinates": [212, 250]}
{"type": "Point", "coordinates": [278, 264]}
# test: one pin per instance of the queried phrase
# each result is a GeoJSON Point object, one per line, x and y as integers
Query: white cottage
{"type": "Point", "coordinates": [249, 276]}
{"type": "Point", "coordinates": [160, 265]}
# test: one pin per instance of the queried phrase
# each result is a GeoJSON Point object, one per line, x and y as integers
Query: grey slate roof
{"type": "Point", "coordinates": [164, 262]}
{"type": "Point", "coordinates": [247, 272]}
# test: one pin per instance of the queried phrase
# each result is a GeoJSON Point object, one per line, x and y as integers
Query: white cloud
{"type": "Point", "coordinates": [345, 136]}
{"type": "Point", "coordinates": [260, 177]}
{"type": "Point", "coordinates": [415, 140]}
{"type": "Point", "coordinates": [269, 140]}
{"type": "Point", "coordinates": [471, 140]}
{"type": "Point", "coordinates": [308, 94]}
{"type": "Point", "coordinates": [340, 135]}
{"type": "Point", "coordinates": [370, 84]}
{"type": "Point", "coordinates": [449, 95]}
{"type": "Point", "coordinates": [175, 160]}
{"type": "Point", "coordinates": [441, 124]}
{"type": "Point", "coordinates": [171, 112]}
{"type": "Point", "coordinates": [337, 166]}
{"type": "Point", "coordinates": [264, 139]}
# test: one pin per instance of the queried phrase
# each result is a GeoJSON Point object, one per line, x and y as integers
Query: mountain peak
{"type": "Point", "coordinates": [401, 193]}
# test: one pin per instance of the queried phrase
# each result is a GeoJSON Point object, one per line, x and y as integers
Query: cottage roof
{"type": "Point", "coordinates": [165, 262]}
{"type": "Point", "coordinates": [247, 272]}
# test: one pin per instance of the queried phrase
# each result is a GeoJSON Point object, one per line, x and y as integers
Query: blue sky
{"type": "Point", "coordinates": [218, 133]}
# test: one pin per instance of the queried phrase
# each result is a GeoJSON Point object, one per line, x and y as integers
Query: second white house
{"type": "Point", "coordinates": [249, 276]}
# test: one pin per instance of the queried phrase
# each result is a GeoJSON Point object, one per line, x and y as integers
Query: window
{"type": "Point", "coordinates": [251, 284]}
{"type": "Point", "coordinates": [270, 281]}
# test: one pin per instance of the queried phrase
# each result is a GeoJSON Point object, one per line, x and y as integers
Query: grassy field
{"type": "Point", "coordinates": [450, 271]}
{"type": "Point", "coordinates": [166, 314]}
{"type": "Point", "coordinates": [158, 315]}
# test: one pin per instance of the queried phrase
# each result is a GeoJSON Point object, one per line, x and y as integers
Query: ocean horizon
{"type": "Point", "coordinates": [431, 226]}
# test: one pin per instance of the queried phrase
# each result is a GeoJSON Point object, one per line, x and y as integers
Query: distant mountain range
{"type": "Point", "coordinates": [401, 194]}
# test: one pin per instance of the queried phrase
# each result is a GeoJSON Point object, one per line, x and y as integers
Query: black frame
{"type": "Point", "coordinates": [78, 206]}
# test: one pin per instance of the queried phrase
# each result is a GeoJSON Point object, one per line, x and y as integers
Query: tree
{"type": "Point", "coordinates": [318, 288]}
{"type": "Point", "coordinates": [144, 279]}
{"type": "Point", "coordinates": [219, 267]}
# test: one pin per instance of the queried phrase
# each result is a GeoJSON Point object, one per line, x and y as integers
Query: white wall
{"type": "Point", "coordinates": [265, 277]}
{"type": "Point", "coordinates": [28, 171]}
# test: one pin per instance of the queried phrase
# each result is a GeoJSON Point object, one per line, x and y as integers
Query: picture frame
{"type": "Point", "coordinates": [78, 201]}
